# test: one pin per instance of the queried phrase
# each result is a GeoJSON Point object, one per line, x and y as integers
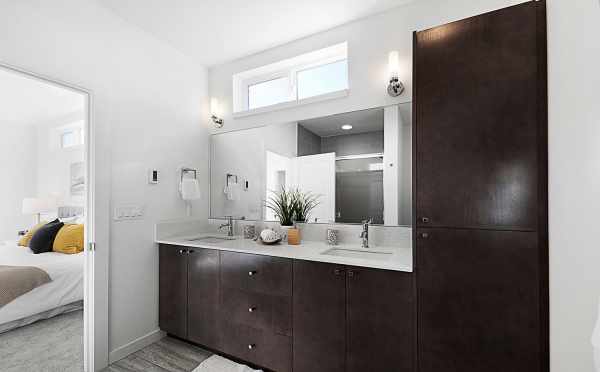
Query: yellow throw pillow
{"type": "Point", "coordinates": [69, 239]}
{"type": "Point", "coordinates": [25, 239]}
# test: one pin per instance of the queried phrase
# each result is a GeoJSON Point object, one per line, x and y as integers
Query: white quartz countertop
{"type": "Point", "coordinates": [390, 258]}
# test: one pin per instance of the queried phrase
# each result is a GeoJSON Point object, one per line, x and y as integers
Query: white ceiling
{"type": "Point", "coordinates": [362, 122]}
{"type": "Point", "coordinates": [217, 31]}
{"type": "Point", "coordinates": [28, 101]}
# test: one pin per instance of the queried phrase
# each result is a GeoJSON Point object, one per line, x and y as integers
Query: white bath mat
{"type": "Point", "coordinates": [219, 364]}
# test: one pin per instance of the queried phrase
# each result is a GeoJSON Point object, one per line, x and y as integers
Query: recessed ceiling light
{"type": "Point", "coordinates": [346, 127]}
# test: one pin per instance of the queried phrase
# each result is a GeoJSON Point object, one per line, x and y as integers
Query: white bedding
{"type": "Point", "coordinates": [66, 272]}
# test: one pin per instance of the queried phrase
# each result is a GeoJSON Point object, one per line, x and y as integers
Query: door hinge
{"type": "Point", "coordinates": [92, 246]}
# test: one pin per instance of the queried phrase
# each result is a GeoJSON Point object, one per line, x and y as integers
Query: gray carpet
{"type": "Point", "coordinates": [51, 345]}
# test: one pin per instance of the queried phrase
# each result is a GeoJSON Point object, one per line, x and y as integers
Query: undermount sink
{"type": "Point", "coordinates": [358, 253]}
{"type": "Point", "coordinates": [212, 239]}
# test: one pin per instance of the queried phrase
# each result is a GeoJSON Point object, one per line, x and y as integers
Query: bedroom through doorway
{"type": "Point", "coordinates": [44, 229]}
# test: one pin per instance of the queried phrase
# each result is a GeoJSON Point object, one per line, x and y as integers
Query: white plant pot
{"type": "Point", "coordinates": [284, 232]}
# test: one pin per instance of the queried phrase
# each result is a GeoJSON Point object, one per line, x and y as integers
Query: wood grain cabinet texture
{"type": "Point", "coordinates": [480, 181]}
{"type": "Point", "coordinates": [203, 297]}
{"type": "Point", "coordinates": [173, 294]}
{"type": "Point", "coordinates": [288, 315]}
{"type": "Point", "coordinates": [319, 306]}
{"type": "Point", "coordinates": [256, 309]}
{"type": "Point", "coordinates": [379, 320]}
{"type": "Point", "coordinates": [352, 319]}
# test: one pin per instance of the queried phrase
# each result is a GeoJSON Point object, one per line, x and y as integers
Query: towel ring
{"type": "Point", "coordinates": [228, 177]}
{"type": "Point", "coordinates": [185, 170]}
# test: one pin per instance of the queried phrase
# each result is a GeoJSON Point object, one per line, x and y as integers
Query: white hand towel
{"type": "Point", "coordinates": [233, 191]}
{"type": "Point", "coordinates": [190, 190]}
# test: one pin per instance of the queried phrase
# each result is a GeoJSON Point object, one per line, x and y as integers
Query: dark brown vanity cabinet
{"type": "Point", "coordinates": [256, 309]}
{"type": "Point", "coordinates": [173, 290]}
{"type": "Point", "coordinates": [479, 301]}
{"type": "Point", "coordinates": [379, 320]}
{"type": "Point", "coordinates": [352, 319]}
{"type": "Point", "coordinates": [319, 307]}
{"type": "Point", "coordinates": [203, 297]}
{"type": "Point", "coordinates": [189, 293]}
{"type": "Point", "coordinates": [480, 181]}
{"type": "Point", "coordinates": [288, 315]}
{"type": "Point", "coordinates": [478, 123]}
{"type": "Point", "coordinates": [235, 303]}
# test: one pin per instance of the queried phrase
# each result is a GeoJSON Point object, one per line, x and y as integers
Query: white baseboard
{"type": "Point", "coordinates": [135, 345]}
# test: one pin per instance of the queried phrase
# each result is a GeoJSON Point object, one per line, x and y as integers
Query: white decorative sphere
{"type": "Point", "coordinates": [269, 236]}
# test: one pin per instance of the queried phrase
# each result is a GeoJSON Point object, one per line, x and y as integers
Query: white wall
{"type": "Point", "coordinates": [18, 166]}
{"type": "Point", "coordinates": [148, 111]}
{"type": "Point", "coordinates": [574, 144]}
{"type": "Point", "coordinates": [54, 162]}
{"type": "Point", "coordinates": [574, 134]}
{"type": "Point", "coordinates": [369, 42]}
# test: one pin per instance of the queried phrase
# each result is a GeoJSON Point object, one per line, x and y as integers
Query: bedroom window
{"type": "Point", "coordinates": [310, 77]}
{"type": "Point", "coordinates": [71, 135]}
{"type": "Point", "coordinates": [68, 139]}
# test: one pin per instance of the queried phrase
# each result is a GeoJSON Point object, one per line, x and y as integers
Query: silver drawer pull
{"type": "Point", "coordinates": [252, 273]}
{"type": "Point", "coordinates": [251, 346]}
{"type": "Point", "coordinates": [251, 309]}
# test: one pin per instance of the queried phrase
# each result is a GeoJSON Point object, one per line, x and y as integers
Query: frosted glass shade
{"type": "Point", "coordinates": [39, 205]}
{"type": "Point", "coordinates": [394, 63]}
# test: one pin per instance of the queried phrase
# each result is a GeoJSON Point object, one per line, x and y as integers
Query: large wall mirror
{"type": "Point", "coordinates": [358, 163]}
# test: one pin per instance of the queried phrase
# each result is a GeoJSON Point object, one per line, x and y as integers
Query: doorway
{"type": "Point", "coordinates": [49, 181]}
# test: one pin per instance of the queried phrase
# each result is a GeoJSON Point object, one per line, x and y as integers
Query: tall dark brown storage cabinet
{"type": "Point", "coordinates": [480, 181]}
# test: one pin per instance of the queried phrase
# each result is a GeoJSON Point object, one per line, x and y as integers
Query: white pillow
{"type": "Point", "coordinates": [74, 219]}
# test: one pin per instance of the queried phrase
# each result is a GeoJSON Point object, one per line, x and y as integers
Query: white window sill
{"type": "Point", "coordinates": [286, 105]}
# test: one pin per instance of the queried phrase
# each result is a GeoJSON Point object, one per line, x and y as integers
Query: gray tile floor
{"type": "Point", "coordinates": [168, 354]}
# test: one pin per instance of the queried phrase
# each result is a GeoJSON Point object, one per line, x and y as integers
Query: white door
{"type": "Point", "coordinates": [316, 174]}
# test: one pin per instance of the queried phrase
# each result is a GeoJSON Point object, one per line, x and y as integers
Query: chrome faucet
{"type": "Point", "coordinates": [229, 225]}
{"type": "Point", "coordinates": [364, 235]}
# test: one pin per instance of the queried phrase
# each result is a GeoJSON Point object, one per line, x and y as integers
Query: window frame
{"type": "Point", "coordinates": [288, 68]}
{"type": "Point", "coordinates": [76, 130]}
{"type": "Point", "coordinates": [264, 79]}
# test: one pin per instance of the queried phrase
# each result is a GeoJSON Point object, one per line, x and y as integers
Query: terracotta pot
{"type": "Point", "coordinates": [293, 236]}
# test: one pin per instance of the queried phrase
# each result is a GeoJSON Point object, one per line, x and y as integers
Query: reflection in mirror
{"type": "Point", "coordinates": [358, 163]}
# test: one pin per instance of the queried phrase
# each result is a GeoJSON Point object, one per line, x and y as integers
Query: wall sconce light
{"type": "Point", "coordinates": [215, 111]}
{"type": "Point", "coordinates": [395, 87]}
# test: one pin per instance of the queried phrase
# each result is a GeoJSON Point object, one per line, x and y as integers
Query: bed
{"type": "Point", "coordinates": [62, 294]}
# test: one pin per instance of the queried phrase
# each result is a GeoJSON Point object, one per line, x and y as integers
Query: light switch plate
{"type": "Point", "coordinates": [128, 212]}
{"type": "Point", "coordinates": [153, 176]}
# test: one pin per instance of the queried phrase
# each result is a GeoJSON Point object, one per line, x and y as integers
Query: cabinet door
{"type": "Point", "coordinates": [380, 312]}
{"type": "Point", "coordinates": [476, 122]}
{"type": "Point", "coordinates": [478, 301]}
{"type": "Point", "coordinates": [203, 297]}
{"type": "Point", "coordinates": [173, 290]}
{"type": "Point", "coordinates": [319, 317]}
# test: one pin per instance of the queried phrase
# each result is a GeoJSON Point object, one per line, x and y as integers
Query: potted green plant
{"type": "Point", "coordinates": [282, 203]}
{"type": "Point", "coordinates": [305, 202]}
{"type": "Point", "coordinates": [291, 206]}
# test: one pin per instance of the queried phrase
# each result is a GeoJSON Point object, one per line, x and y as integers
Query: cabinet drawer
{"type": "Point", "coordinates": [262, 274]}
{"type": "Point", "coordinates": [262, 311]}
{"type": "Point", "coordinates": [263, 348]}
